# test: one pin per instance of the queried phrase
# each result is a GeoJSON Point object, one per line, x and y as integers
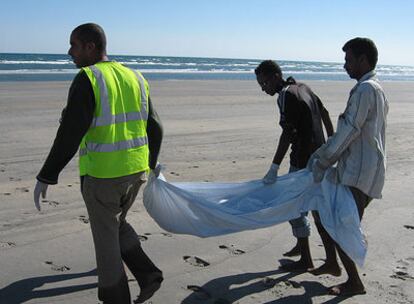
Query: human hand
{"type": "Point", "coordinates": [157, 170]}
{"type": "Point", "coordinates": [40, 188]}
{"type": "Point", "coordinates": [318, 171]}
{"type": "Point", "coordinates": [271, 175]}
{"type": "Point", "coordinates": [314, 157]}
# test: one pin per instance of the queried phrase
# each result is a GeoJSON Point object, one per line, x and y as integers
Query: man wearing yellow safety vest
{"type": "Point", "coordinates": [110, 118]}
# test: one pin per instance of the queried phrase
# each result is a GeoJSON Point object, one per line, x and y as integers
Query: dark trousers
{"type": "Point", "coordinates": [362, 200]}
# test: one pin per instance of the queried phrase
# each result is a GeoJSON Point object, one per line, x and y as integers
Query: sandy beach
{"type": "Point", "coordinates": [213, 131]}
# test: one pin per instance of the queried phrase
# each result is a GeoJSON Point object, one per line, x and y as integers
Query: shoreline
{"type": "Point", "coordinates": [203, 80]}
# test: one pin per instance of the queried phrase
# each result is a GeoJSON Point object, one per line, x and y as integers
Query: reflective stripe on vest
{"type": "Point", "coordinates": [107, 118]}
{"type": "Point", "coordinates": [120, 145]}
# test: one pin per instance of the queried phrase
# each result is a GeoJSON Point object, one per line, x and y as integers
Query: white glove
{"type": "Point", "coordinates": [318, 171]}
{"type": "Point", "coordinates": [271, 175]}
{"type": "Point", "coordinates": [157, 170]}
{"type": "Point", "coordinates": [40, 188]}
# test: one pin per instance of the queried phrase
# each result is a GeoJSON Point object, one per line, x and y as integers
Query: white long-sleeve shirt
{"type": "Point", "coordinates": [358, 145]}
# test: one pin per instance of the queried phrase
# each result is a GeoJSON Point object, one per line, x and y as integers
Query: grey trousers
{"type": "Point", "coordinates": [108, 201]}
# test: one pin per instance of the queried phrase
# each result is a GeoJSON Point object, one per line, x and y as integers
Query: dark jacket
{"type": "Point", "coordinates": [301, 116]}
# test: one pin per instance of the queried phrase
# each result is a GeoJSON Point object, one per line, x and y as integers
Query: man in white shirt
{"type": "Point", "coordinates": [358, 149]}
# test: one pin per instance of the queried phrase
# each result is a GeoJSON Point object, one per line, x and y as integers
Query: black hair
{"type": "Point", "coordinates": [268, 67]}
{"type": "Point", "coordinates": [91, 32]}
{"type": "Point", "coordinates": [363, 46]}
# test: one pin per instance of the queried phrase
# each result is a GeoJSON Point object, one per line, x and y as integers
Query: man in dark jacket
{"type": "Point", "coordinates": [301, 117]}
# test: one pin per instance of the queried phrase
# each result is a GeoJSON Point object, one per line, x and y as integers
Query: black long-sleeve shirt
{"type": "Point", "coordinates": [301, 116]}
{"type": "Point", "coordinates": [76, 119]}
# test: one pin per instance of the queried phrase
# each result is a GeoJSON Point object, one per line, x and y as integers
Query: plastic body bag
{"type": "Point", "coordinates": [209, 209]}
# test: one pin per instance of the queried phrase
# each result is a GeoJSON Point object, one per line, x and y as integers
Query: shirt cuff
{"type": "Point", "coordinates": [46, 181]}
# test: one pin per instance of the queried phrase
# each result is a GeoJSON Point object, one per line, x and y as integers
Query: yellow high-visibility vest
{"type": "Point", "coordinates": [116, 143]}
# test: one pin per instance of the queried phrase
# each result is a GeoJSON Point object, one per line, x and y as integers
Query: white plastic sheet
{"type": "Point", "coordinates": [208, 209]}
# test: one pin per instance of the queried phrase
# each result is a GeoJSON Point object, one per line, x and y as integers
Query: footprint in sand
{"type": "Point", "coordinates": [6, 245]}
{"type": "Point", "coordinates": [22, 189]}
{"type": "Point", "coordinates": [200, 292]}
{"type": "Point", "coordinates": [281, 287]}
{"type": "Point", "coordinates": [84, 219]}
{"type": "Point", "coordinates": [401, 275]}
{"type": "Point", "coordinates": [16, 179]}
{"type": "Point", "coordinates": [294, 284]}
{"type": "Point", "coordinates": [232, 250]}
{"type": "Point", "coordinates": [142, 238]}
{"type": "Point", "coordinates": [50, 203]}
{"type": "Point", "coordinates": [57, 267]}
{"type": "Point", "coordinates": [195, 261]}
{"type": "Point", "coordinates": [400, 271]}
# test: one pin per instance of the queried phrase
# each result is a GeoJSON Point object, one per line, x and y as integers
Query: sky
{"type": "Point", "coordinates": [303, 30]}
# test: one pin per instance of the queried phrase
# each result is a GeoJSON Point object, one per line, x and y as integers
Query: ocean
{"type": "Point", "coordinates": [56, 67]}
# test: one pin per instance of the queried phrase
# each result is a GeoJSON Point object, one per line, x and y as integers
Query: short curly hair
{"type": "Point", "coordinates": [268, 67]}
{"type": "Point", "coordinates": [363, 46]}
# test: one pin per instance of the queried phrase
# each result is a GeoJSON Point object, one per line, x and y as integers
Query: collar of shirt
{"type": "Point", "coordinates": [371, 74]}
{"type": "Point", "coordinates": [281, 98]}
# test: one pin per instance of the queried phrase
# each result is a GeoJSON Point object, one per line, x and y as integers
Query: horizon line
{"type": "Point", "coordinates": [202, 57]}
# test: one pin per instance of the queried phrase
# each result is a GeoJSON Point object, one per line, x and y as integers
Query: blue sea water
{"type": "Point", "coordinates": [55, 67]}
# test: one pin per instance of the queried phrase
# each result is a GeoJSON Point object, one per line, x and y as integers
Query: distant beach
{"type": "Point", "coordinates": [59, 67]}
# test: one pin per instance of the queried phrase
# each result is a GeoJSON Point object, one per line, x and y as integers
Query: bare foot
{"type": "Point", "coordinates": [149, 290]}
{"type": "Point", "coordinates": [332, 269]}
{"type": "Point", "coordinates": [295, 251]}
{"type": "Point", "coordinates": [299, 266]}
{"type": "Point", "coordinates": [347, 289]}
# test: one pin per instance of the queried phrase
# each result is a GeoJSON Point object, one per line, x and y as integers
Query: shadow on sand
{"type": "Point", "coordinates": [312, 289]}
{"type": "Point", "coordinates": [218, 291]}
{"type": "Point", "coordinates": [24, 290]}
